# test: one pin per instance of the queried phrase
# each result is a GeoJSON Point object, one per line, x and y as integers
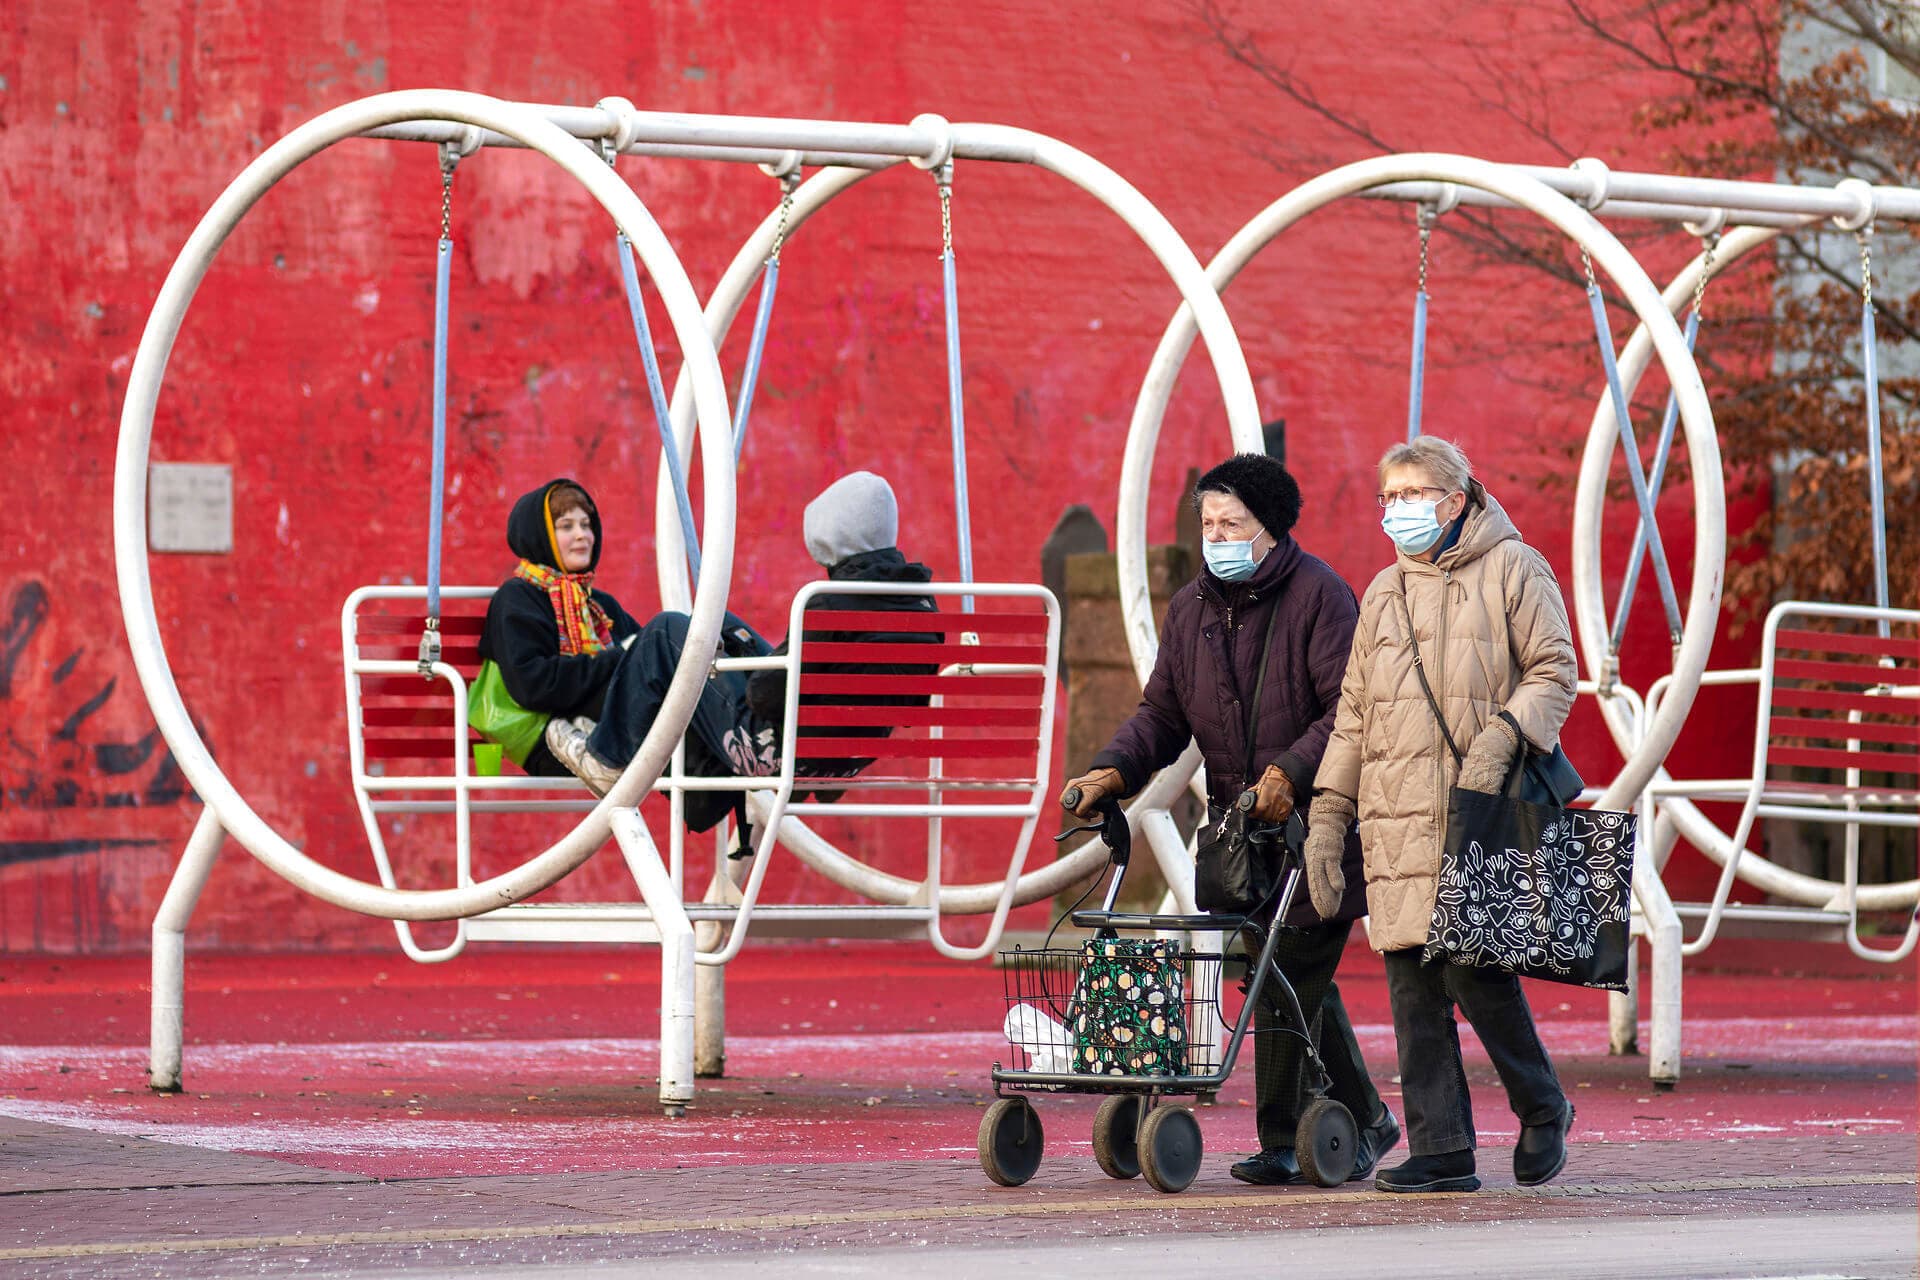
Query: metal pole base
{"type": "Point", "coordinates": [167, 1030]}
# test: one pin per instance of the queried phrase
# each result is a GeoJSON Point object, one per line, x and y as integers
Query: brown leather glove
{"type": "Point", "coordinates": [1094, 787]}
{"type": "Point", "coordinates": [1273, 796]}
{"type": "Point", "coordinates": [1490, 758]}
{"type": "Point", "coordinates": [1331, 815]}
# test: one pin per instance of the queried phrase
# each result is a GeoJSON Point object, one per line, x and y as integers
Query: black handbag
{"type": "Point", "coordinates": [1527, 885]}
{"type": "Point", "coordinates": [1235, 871]}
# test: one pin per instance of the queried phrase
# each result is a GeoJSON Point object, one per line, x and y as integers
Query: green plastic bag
{"type": "Point", "coordinates": [1128, 1012]}
{"type": "Point", "coordinates": [496, 717]}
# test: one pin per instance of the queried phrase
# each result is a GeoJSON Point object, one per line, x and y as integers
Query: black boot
{"type": "Point", "coordinates": [1274, 1167]}
{"type": "Point", "coordinates": [1376, 1140]}
{"type": "Point", "coordinates": [1541, 1153]}
{"type": "Point", "coordinates": [1449, 1171]}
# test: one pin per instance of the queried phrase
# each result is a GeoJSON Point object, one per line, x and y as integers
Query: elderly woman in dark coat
{"type": "Point", "coordinates": [1209, 664]}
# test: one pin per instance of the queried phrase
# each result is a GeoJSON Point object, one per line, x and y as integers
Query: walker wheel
{"type": "Point", "coordinates": [1326, 1143]}
{"type": "Point", "coordinates": [1010, 1141]}
{"type": "Point", "coordinates": [1116, 1146]}
{"type": "Point", "coordinates": [1170, 1149]}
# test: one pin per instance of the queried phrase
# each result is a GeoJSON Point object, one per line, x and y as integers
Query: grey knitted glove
{"type": "Point", "coordinates": [1490, 758]}
{"type": "Point", "coordinates": [1327, 823]}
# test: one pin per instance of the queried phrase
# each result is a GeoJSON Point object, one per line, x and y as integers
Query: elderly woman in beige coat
{"type": "Point", "coordinates": [1480, 612]}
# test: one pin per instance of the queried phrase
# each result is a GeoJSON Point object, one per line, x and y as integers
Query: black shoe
{"type": "Point", "coordinates": [1375, 1141]}
{"type": "Point", "coordinates": [1274, 1167]}
{"type": "Point", "coordinates": [1541, 1153]}
{"type": "Point", "coordinates": [1452, 1171]}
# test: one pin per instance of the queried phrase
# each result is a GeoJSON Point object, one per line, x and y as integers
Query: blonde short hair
{"type": "Point", "coordinates": [1441, 459]}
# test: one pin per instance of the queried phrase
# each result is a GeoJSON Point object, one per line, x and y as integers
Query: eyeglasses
{"type": "Point", "coordinates": [1411, 495]}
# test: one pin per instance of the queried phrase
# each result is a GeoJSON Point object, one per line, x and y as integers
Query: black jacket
{"type": "Point", "coordinates": [522, 637]}
{"type": "Point", "coordinates": [767, 690]}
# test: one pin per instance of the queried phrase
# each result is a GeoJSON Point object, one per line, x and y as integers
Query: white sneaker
{"type": "Point", "coordinates": [569, 747]}
{"type": "Point", "coordinates": [586, 724]}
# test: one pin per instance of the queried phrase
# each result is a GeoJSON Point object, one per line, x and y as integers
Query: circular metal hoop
{"type": "Point", "coordinates": [130, 499]}
{"type": "Point", "coordinates": [1590, 610]}
{"type": "Point", "coordinates": [1236, 385]}
{"type": "Point", "coordinates": [1703, 604]}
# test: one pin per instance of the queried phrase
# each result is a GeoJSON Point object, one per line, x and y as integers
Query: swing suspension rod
{"type": "Point", "coordinates": [956, 398]}
{"type": "Point", "coordinates": [1636, 472]}
{"type": "Point", "coordinates": [762, 316]}
{"type": "Point", "coordinates": [1662, 452]}
{"type": "Point", "coordinates": [1417, 377]}
{"type": "Point", "coordinates": [1870, 376]}
{"type": "Point", "coordinates": [436, 503]}
{"type": "Point", "coordinates": [656, 386]}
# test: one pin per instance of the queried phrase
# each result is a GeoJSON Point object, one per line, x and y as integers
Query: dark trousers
{"type": "Point", "coordinates": [1308, 957]}
{"type": "Point", "coordinates": [721, 738]}
{"type": "Point", "coordinates": [1433, 1080]}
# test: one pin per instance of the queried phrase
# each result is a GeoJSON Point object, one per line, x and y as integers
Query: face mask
{"type": "Point", "coordinates": [1230, 561]}
{"type": "Point", "coordinates": [1412, 525]}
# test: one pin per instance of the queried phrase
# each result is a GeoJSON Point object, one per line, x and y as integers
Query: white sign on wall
{"type": "Point", "coordinates": [190, 507]}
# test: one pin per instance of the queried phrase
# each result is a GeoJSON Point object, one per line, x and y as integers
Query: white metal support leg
{"type": "Point", "coordinates": [676, 957]}
{"type": "Point", "coordinates": [709, 1012]}
{"type": "Point", "coordinates": [168, 1027]}
{"type": "Point", "coordinates": [710, 983]}
{"type": "Point", "coordinates": [1623, 1009]}
{"type": "Point", "coordinates": [1663, 1063]}
{"type": "Point", "coordinates": [1663, 937]}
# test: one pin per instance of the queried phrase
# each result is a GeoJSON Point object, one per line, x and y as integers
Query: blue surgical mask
{"type": "Point", "coordinates": [1231, 561]}
{"type": "Point", "coordinates": [1413, 526]}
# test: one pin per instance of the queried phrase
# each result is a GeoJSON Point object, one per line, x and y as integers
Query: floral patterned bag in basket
{"type": "Point", "coordinates": [1128, 1013]}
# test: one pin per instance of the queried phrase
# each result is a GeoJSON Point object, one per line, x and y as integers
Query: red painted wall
{"type": "Point", "coordinates": [305, 361]}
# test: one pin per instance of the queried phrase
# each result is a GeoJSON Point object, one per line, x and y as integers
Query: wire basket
{"type": "Point", "coordinates": [1114, 1007]}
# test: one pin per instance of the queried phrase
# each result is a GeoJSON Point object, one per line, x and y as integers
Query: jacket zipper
{"type": "Point", "coordinates": [1440, 748]}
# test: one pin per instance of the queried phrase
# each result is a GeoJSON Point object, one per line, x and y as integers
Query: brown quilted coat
{"type": "Point", "coordinates": [1493, 633]}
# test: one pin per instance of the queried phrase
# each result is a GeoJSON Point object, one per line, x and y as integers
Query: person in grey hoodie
{"type": "Point", "coordinates": [850, 530]}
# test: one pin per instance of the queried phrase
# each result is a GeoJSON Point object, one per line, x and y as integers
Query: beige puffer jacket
{"type": "Point", "coordinates": [1493, 634]}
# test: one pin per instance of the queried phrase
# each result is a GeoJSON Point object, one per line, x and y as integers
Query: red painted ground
{"type": "Point", "coordinates": [532, 1062]}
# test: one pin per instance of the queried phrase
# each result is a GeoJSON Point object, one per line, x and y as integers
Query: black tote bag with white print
{"type": "Point", "coordinates": [1537, 890]}
{"type": "Point", "coordinates": [1529, 885]}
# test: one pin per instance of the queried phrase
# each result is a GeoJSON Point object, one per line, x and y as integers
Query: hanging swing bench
{"type": "Point", "coordinates": [974, 741]}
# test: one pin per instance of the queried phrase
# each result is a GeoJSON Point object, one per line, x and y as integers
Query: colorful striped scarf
{"type": "Point", "coordinates": [584, 625]}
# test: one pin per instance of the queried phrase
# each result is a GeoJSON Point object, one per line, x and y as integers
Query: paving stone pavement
{"type": "Point", "coordinates": [337, 1128]}
{"type": "Point", "coordinates": [80, 1204]}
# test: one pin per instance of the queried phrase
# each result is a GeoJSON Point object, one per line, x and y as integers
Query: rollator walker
{"type": "Point", "coordinates": [1137, 1130]}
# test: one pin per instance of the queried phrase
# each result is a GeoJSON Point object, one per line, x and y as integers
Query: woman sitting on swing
{"type": "Point", "coordinates": [570, 652]}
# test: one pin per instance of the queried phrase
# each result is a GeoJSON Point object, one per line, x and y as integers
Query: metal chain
{"type": "Point", "coordinates": [1706, 269]}
{"type": "Point", "coordinates": [788, 184]}
{"type": "Point", "coordinates": [1426, 218]}
{"type": "Point", "coordinates": [1865, 236]}
{"type": "Point", "coordinates": [448, 159]}
{"type": "Point", "coordinates": [1586, 264]}
{"type": "Point", "coordinates": [943, 177]}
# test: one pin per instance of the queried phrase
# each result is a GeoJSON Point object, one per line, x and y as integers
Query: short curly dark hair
{"type": "Point", "coordinates": [1262, 483]}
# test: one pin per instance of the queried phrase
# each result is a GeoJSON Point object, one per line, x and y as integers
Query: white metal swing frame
{"type": "Point", "coordinates": [471, 121]}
